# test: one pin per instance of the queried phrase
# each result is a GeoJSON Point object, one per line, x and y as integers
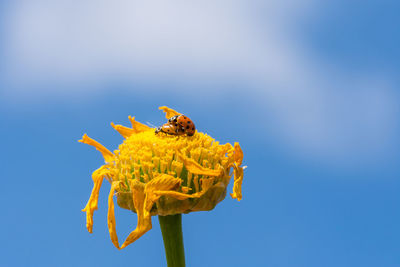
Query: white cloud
{"type": "Point", "coordinates": [75, 41]}
{"type": "Point", "coordinates": [59, 42]}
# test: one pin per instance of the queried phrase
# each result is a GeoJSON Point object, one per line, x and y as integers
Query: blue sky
{"type": "Point", "coordinates": [310, 90]}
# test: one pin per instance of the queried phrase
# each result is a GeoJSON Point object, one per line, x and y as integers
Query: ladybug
{"type": "Point", "coordinates": [169, 128]}
{"type": "Point", "coordinates": [183, 123]}
{"type": "Point", "coordinates": [178, 125]}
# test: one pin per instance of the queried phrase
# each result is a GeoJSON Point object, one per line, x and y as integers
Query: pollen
{"type": "Point", "coordinates": [160, 174]}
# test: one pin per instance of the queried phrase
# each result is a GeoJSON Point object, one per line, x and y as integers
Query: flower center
{"type": "Point", "coordinates": [144, 155]}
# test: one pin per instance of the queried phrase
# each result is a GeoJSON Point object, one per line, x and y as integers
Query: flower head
{"type": "Point", "coordinates": [163, 175]}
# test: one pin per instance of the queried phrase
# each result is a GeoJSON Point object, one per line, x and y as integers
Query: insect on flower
{"type": "Point", "coordinates": [153, 174]}
{"type": "Point", "coordinates": [178, 125]}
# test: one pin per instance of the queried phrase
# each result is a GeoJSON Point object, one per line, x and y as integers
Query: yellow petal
{"type": "Point", "coordinates": [169, 112]}
{"type": "Point", "coordinates": [237, 185]}
{"type": "Point", "coordinates": [161, 182]}
{"type": "Point", "coordinates": [238, 172]}
{"type": "Point", "coordinates": [238, 154]}
{"type": "Point", "coordinates": [111, 215]}
{"type": "Point", "coordinates": [144, 197]}
{"type": "Point", "coordinates": [186, 189]}
{"type": "Point", "coordinates": [144, 221]}
{"type": "Point", "coordinates": [137, 126]}
{"type": "Point", "coordinates": [124, 131]}
{"type": "Point", "coordinates": [92, 203]}
{"type": "Point", "coordinates": [174, 194]}
{"type": "Point", "coordinates": [195, 168]}
{"type": "Point", "coordinates": [108, 156]}
{"type": "Point", "coordinates": [205, 184]}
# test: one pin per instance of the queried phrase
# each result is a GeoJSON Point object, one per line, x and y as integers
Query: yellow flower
{"type": "Point", "coordinates": [163, 175]}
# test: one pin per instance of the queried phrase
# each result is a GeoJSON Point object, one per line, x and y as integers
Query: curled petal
{"type": "Point", "coordinates": [162, 182]}
{"type": "Point", "coordinates": [124, 131]}
{"type": "Point", "coordinates": [144, 219]}
{"type": "Point", "coordinates": [111, 215]}
{"type": "Point", "coordinates": [144, 196]}
{"type": "Point", "coordinates": [137, 126]}
{"type": "Point", "coordinates": [108, 156]}
{"type": "Point", "coordinates": [92, 203]}
{"type": "Point", "coordinates": [169, 112]}
{"type": "Point", "coordinates": [195, 168]}
{"type": "Point", "coordinates": [237, 184]}
{"type": "Point", "coordinates": [205, 184]}
{"type": "Point", "coordinates": [237, 154]}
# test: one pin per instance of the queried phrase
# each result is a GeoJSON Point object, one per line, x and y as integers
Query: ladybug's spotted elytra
{"type": "Point", "coordinates": [178, 125]}
{"type": "Point", "coordinates": [184, 123]}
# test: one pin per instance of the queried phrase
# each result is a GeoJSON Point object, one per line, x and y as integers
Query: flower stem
{"type": "Point", "coordinates": [171, 229]}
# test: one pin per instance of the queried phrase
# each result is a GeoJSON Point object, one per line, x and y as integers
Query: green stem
{"type": "Point", "coordinates": [171, 228]}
